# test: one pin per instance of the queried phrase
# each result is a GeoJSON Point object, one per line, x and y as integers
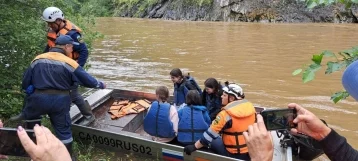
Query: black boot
{"type": "Point", "coordinates": [30, 124]}
{"type": "Point", "coordinates": [88, 116]}
{"type": "Point", "coordinates": [69, 149]}
{"type": "Point", "coordinates": [18, 117]}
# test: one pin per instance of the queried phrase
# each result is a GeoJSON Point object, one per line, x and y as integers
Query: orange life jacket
{"type": "Point", "coordinates": [242, 114]}
{"type": "Point", "coordinates": [52, 36]}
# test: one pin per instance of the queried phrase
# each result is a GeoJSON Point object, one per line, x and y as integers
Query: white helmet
{"type": "Point", "coordinates": [233, 89]}
{"type": "Point", "coordinates": [51, 14]}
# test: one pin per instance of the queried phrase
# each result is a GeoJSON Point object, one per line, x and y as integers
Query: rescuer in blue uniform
{"type": "Point", "coordinates": [53, 75]}
{"type": "Point", "coordinates": [58, 25]}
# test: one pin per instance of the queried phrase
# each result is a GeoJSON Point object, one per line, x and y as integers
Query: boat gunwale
{"type": "Point", "coordinates": [97, 104]}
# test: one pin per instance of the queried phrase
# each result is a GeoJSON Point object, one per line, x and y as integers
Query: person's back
{"type": "Point", "coordinates": [161, 121]}
{"type": "Point", "coordinates": [50, 73]}
{"type": "Point", "coordinates": [180, 91]}
{"type": "Point", "coordinates": [53, 74]}
{"type": "Point", "coordinates": [241, 113]}
{"type": "Point", "coordinates": [192, 83]}
{"type": "Point", "coordinates": [193, 119]}
{"type": "Point", "coordinates": [54, 70]}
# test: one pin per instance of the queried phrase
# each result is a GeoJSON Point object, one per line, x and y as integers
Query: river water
{"type": "Point", "coordinates": [138, 54]}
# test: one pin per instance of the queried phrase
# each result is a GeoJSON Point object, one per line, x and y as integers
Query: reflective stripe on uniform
{"type": "Point", "coordinates": [207, 137]}
{"type": "Point", "coordinates": [228, 118]}
{"type": "Point", "coordinates": [213, 133]}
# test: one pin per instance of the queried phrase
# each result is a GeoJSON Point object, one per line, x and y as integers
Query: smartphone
{"type": "Point", "coordinates": [10, 143]}
{"type": "Point", "coordinates": [279, 119]}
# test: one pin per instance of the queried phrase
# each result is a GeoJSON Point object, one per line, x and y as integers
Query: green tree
{"type": "Point", "coordinates": [98, 8]}
{"type": "Point", "coordinates": [22, 37]}
{"type": "Point", "coordinates": [314, 3]}
{"type": "Point", "coordinates": [341, 59]}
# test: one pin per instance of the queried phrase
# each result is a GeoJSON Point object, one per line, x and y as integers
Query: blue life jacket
{"type": "Point", "coordinates": [193, 82]}
{"type": "Point", "coordinates": [193, 122]}
{"type": "Point", "coordinates": [181, 90]}
{"type": "Point", "coordinates": [157, 122]}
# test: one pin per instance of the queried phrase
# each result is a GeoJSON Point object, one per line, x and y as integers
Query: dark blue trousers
{"type": "Point", "coordinates": [57, 106]}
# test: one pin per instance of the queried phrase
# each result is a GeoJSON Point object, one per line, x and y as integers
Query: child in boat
{"type": "Point", "coordinates": [193, 119]}
{"type": "Point", "coordinates": [162, 119]}
{"type": "Point", "coordinates": [212, 97]}
{"type": "Point", "coordinates": [182, 85]}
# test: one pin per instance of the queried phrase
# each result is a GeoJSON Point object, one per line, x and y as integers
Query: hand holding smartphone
{"type": "Point", "coordinates": [279, 119]}
{"type": "Point", "coordinates": [10, 143]}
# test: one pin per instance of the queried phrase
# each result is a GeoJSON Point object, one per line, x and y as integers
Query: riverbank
{"type": "Point", "coordinates": [274, 11]}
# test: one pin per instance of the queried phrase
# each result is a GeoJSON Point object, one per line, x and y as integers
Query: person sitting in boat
{"type": "Point", "coordinates": [162, 119]}
{"type": "Point", "coordinates": [231, 122]}
{"type": "Point", "coordinates": [193, 119]}
{"type": "Point", "coordinates": [212, 97]}
{"type": "Point", "coordinates": [182, 85]}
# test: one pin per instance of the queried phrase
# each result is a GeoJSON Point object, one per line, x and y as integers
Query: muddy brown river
{"type": "Point", "coordinates": [138, 54]}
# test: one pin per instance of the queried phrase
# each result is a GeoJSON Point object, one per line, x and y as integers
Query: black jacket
{"type": "Point", "coordinates": [337, 148]}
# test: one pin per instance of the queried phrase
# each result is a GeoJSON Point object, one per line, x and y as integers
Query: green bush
{"type": "Point", "coordinates": [22, 37]}
{"type": "Point", "coordinates": [98, 8]}
{"type": "Point", "coordinates": [313, 3]}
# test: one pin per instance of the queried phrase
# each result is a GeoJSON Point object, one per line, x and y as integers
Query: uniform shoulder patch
{"type": "Point", "coordinates": [217, 119]}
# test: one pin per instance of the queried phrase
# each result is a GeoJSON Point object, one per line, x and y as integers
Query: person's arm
{"type": "Point", "coordinates": [81, 49]}
{"type": "Point", "coordinates": [174, 118]}
{"type": "Point", "coordinates": [87, 80]}
{"type": "Point", "coordinates": [334, 145]}
{"type": "Point", "coordinates": [209, 135]}
{"type": "Point", "coordinates": [337, 148]}
{"type": "Point", "coordinates": [27, 78]}
{"type": "Point", "coordinates": [213, 132]}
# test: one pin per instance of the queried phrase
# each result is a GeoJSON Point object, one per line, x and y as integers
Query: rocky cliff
{"type": "Point", "coordinates": [289, 11]}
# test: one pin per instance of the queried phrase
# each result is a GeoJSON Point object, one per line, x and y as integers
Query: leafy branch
{"type": "Point", "coordinates": [342, 60]}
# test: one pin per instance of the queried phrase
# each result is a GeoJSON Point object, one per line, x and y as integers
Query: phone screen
{"type": "Point", "coordinates": [10, 143]}
{"type": "Point", "coordinates": [279, 119]}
